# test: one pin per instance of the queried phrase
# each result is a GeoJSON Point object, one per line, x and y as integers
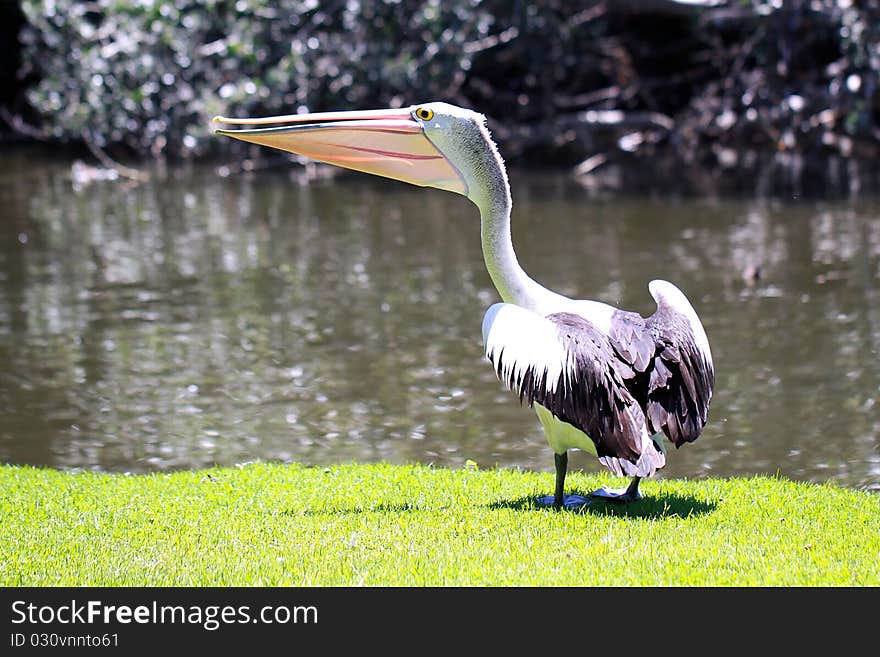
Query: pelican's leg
{"type": "Point", "coordinates": [560, 499]}
{"type": "Point", "coordinates": [561, 461]}
{"type": "Point", "coordinates": [628, 494]}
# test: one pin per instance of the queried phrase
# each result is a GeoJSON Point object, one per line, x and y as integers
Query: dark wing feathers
{"type": "Point", "coordinates": [631, 339]}
{"type": "Point", "coordinates": [681, 380]}
{"type": "Point", "coordinates": [644, 372]}
{"type": "Point", "coordinates": [591, 392]}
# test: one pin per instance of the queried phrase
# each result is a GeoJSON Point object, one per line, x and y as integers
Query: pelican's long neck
{"type": "Point", "coordinates": [491, 194]}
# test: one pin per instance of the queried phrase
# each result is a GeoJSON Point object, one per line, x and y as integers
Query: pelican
{"type": "Point", "coordinates": [603, 380]}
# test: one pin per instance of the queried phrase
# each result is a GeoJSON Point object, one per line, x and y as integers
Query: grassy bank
{"type": "Point", "coordinates": [271, 524]}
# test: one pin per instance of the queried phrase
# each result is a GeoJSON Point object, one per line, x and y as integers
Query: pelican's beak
{"type": "Point", "coordinates": [388, 143]}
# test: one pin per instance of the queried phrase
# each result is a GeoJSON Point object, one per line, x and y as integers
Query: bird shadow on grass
{"type": "Point", "coordinates": [650, 508]}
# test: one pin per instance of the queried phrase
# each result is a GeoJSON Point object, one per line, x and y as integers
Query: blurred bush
{"type": "Point", "coordinates": [149, 74]}
{"type": "Point", "coordinates": [709, 81]}
{"type": "Point", "coordinates": [11, 21]}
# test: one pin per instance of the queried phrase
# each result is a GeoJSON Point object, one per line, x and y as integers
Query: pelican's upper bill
{"type": "Point", "coordinates": [390, 143]}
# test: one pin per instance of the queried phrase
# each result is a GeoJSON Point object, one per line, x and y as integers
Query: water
{"type": "Point", "coordinates": [200, 320]}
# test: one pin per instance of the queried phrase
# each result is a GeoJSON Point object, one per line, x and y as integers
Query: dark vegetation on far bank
{"type": "Point", "coordinates": [749, 95]}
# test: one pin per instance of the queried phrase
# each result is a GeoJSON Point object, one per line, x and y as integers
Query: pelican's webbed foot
{"type": "Point", "coordinates": [559, 500]}
{"type": "Point", "coordinates": [570, 502]}
{"type": "Point", "coordinates": [629, 494]}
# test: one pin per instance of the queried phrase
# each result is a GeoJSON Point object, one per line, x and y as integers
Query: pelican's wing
{"type": "Point", "coordinates": [682, 376]}
{"type": "Point", "coordinates": [567, 365]}
{"type": "Point", "coordinates": [631, 339]}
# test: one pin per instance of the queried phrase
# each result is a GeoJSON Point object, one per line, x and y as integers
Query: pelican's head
{"type": "Point", "coordinates": [431, 145]}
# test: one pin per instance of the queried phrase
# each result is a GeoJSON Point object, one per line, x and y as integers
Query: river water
{"type": "Point", "coordinates": [198, 319]}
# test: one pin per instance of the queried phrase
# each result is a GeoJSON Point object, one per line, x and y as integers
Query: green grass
{"type": "Point", "coordinates": [272, 524]}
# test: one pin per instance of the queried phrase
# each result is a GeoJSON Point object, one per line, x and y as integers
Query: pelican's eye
{"type": "Point", "coordinates": [424, 113]}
